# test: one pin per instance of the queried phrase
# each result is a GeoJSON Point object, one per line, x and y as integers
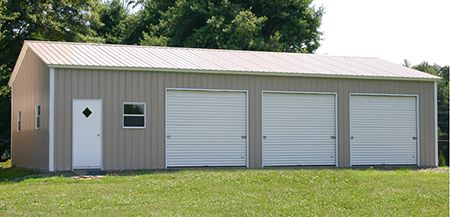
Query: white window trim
{"type": "Point", "coordinates": [36, 116]}
{"type": "Point", "coordinates": [134, 115]}
{"type": "Point", "coordinates": [19, 121]}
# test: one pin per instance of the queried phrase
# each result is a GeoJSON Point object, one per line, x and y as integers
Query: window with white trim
{"type": "Point", "coordinates": [133, 115]}
{"type": "Point", "coordinates": [37, 117]}
{"type": "Point", "coordinates": [19, 121]}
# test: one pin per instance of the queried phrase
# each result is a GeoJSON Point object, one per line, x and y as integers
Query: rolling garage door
{"type": "Point", "coordinates": [299, 129]}
{"type": "Point", "coordinates": [206, 128]}
{"type": "Point", "coordinates": [383, 130]}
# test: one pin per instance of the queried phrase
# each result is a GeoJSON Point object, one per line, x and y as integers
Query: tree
{"type": "Point", "coordinates": [284, 25]}
{"type": "Point", "coordinates": [113, 18]}
{"type": "Point", "coordinates": [443, 112]}
{"type": "Point", "coordinates": [68, 20]}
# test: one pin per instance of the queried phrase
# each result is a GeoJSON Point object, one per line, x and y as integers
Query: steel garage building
{"type": "Point", "coordinates": [119, 107]}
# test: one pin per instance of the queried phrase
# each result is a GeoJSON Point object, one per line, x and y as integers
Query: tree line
{"type": "Point", "coordinates": [270, 25]}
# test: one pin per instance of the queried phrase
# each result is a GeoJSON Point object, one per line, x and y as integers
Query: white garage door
{"type": "Point", "coordinates": [383, 130]}
{"type": "Point", "coordinates": [299, 129]}
{"type": "Point", "coordinates": [206, 128]}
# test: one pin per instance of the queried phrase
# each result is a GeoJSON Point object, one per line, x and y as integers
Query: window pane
{"type": "Point", "coordinates": [19, 121]}
{"type": "Point", "coordinates": [136, 109]}
{"type": "Point", "coordinates": [38, 110]}
{"type": "Point", "coordinates": [38, 122]}
{"type": "Point", "coordinates": [133, 121]}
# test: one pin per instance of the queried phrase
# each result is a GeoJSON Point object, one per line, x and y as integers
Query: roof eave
{"type": "Point", "coordinates": [435, 78]}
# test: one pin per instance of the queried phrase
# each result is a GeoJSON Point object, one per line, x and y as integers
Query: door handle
{"type": "Point", "coordinates": [98, 135]}
{"type": "Point", "coordinates": [351, 137]}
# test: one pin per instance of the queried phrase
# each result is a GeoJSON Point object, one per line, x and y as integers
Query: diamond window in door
{"type": "Point", "coordinates": [87, 112]}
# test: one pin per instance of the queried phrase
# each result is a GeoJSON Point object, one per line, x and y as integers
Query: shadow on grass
{"type": "Point", "coordinates": [10, 174]}
{"type": "Point", "coordinates": [16, 174]}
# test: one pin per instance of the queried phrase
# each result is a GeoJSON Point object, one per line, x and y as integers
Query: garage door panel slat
{"type": "Point", "coordinates": [383, 128]}
{"type": "Point", "coordinates": [205, 128]}
{"type": "Point", "coordinates": [298, 129]}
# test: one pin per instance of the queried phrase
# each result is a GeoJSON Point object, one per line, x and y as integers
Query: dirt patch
{"type": "Point", "coordinates": [435, 170]}
{"type": "Point", "coordinates": [87, 177]}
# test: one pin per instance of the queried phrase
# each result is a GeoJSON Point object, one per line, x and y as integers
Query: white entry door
{"type": "Point", "coordinates": [298, 129]}
{"type": "Point", "coordinates": [87, 133]}
{"type": "Point", "coordinates": [206, 128]}
{"type": "Point", "coordinates": [383, 130]}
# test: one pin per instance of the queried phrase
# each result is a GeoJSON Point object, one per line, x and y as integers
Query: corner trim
{"type": "Point", "coordinates": [11, 142]}
{"type": "Point", "coordinates": [436, 127]}
{"type": "Point", "coordinates": [51, 130]}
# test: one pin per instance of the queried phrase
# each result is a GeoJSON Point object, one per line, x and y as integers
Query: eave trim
{"type": "Point", "coordinates": [309, 75]}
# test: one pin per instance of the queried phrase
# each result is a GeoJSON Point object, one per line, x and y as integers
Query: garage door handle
{"type": "Point", "coordinates": [168, 136]}
{"type": "Point", "coordinates": [333, 137]}
{"type": "Point", "coordinates": [414, 138]}
{"type": "Point", "coordinates": [351, 137]}
{"type": "Point", "coordinates": [264, 137]}
{"type": "Point", "coordinates": [244, 137]}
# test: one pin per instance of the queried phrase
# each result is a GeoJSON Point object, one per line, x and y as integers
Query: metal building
{"type": "Point", "coordinates": [120, 107]}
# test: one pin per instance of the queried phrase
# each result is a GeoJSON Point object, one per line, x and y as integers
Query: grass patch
{"type": "Point", "coordinates": [232, 192]}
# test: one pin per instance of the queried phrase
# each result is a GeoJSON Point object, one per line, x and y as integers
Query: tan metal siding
{"type": "Point", "coordinates": [30, 146]}
{"type": "Point", "coordinates": [145, 148]}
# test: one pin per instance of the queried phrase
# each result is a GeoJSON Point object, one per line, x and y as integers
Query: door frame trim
{"type": "Point", "coordinates": [385, 94]}
{"type": "Point", "coordinates": [208, 90]}
{"type": "Point", "coordinates": [336, 130]}
{"type": "Point", "coordinates": [101, 131]}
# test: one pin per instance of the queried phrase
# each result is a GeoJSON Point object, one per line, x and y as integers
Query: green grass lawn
{"type": "Point", "coordinates": [229, 192]}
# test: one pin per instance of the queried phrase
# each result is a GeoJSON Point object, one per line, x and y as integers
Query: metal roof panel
{"type": "Point", "coordinates": [65, 54]}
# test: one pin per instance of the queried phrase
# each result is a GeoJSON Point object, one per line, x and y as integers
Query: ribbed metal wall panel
{"type": "Point", "coordinates": [145, 148]}
{"type": "Point", "coordinates": [383, 129]}
{"type": "Point", "coordinates": [29, 147]}
{"type": "Point", "coordinates": [206, 128]}
{"type": "Point", "coordinates": [299, 129]}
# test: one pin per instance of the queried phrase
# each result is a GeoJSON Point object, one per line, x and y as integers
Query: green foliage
{"type": "Point", "coordinates": [442, 159]}
{"type": "Point", "coordinates": [290, 26]}
{"type": "Point", "coordinates": [443, 109]}
{"type": "Point", "coordinates": [112, 17]}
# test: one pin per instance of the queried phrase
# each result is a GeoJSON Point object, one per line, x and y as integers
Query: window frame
{"type": "Point", "coordinates": [36, 116]}
{"type": "Point", "coordinates": [134, 115]}
{"type": "Point", "coordinates": [19, 121]}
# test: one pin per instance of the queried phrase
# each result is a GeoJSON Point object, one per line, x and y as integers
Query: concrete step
{"type": "Point", "coordinates": [89, 172]}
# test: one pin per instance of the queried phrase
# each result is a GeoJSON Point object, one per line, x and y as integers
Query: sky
{"type": "Point", "coordinates": [394, 30]}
